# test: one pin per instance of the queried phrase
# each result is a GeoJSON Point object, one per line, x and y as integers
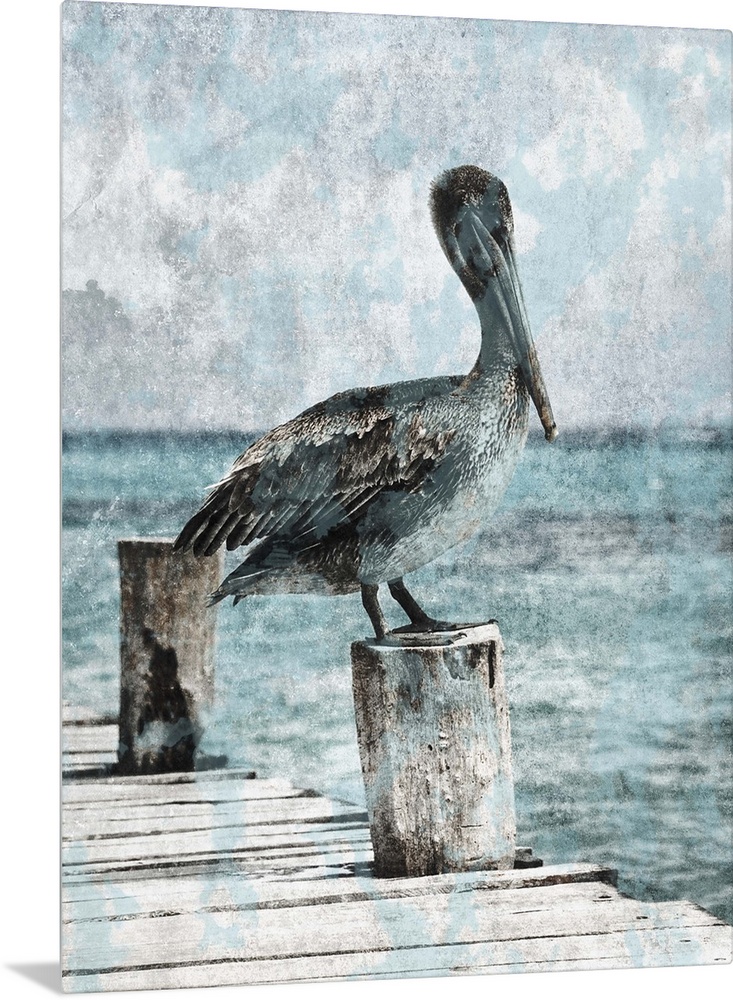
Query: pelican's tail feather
{"type": "Point", "coordinates": [272, 566]}
{"type": "Point", "coordinates": [244, 580]}
{"type": "Point", "coordinates": [238, 585]}
{"type": "Point", "coordinates": [219, 595]}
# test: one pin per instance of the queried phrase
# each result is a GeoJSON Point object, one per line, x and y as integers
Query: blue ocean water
{"type": "Point", "coordinates": [609, 570]}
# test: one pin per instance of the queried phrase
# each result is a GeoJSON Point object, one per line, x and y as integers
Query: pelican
{"type": "Point", "coordinates": [373, 483]}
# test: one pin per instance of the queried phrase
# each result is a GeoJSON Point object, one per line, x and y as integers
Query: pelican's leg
{"type": "Point", "coordinates": [419, 618]}
{"type": "Point", "coordinates": [370, 600]}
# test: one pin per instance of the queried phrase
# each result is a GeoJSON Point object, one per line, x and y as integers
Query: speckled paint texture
{"type": "Point", "coordinates": [246, 230]}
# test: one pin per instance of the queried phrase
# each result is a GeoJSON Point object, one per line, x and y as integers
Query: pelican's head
{"type": "Point", "coordinates": [472, 216]}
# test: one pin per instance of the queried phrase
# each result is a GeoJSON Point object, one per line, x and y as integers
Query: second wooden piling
{"type": "Point", "coordinates": [435, 747]}
{"type": "Point", "coordinates": [167, 654]}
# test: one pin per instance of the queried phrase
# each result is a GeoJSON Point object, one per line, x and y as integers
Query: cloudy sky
{"type": "Point", "coordinates": [245, 210]}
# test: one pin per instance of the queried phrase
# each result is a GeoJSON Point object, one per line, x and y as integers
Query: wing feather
{"type": "Point", "coordinates": [210, 541]}
{"type": "Point", "coordinates": [307, 476]}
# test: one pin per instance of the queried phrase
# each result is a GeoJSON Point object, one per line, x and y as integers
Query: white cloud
{"type": "Point", "coordinates": [713, 63]}
{"type": "Point", "coordinates": [526, 230]}
{"type": "Point", "coordinates": [544, 162]}
{"type": "Point", "coordinates": [673, 56]}
{"type": "Point", "coordinates": [591, 128]}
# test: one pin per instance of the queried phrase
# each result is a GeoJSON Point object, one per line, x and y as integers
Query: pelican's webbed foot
{"type": "Point", "coordinates": [427, 625]}
{"type": "Point", "coordinates": [420, 621]}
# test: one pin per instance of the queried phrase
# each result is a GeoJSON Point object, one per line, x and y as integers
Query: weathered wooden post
{"type": "Point", "coordinates": [433, 730]}
{"type": "Point", "coordinates": [167, 654]}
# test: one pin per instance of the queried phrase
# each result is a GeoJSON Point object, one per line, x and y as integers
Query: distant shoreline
{"type": "Point", "coordinates": [682, 435]}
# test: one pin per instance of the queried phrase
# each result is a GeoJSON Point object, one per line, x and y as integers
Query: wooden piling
{"type": "Point", "coordinates": [167, 654]}
{"type": "Point", "coordinates": [435, 747]}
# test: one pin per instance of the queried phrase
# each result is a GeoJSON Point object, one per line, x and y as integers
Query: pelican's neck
{"type": "Point", "coordinates": [496, 357]}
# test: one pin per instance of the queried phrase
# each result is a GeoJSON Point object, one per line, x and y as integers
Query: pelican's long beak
{"type": "Point", "coordinates": [538, 391]}
{"type": "Point", "coordinates": [500, 305]}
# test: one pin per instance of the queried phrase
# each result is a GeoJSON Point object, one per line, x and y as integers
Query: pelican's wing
{"type": "Point", "coordinates": [307, 476]}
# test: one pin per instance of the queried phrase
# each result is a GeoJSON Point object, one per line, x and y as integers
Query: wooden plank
{"type": "Point", "coordinates": [384, 925]}
{"type": "Point", "coordinates": [333, 861]}
{"type": "Point", "coordinates": [82, 759]}
{"type": "Point", "coordinates": [71, 770]}
{"type": "Point", "coordinates": [298, 852]}
{"type": "Point", "coordinates": [90, 739]}
{"type": "Point", "coordinates": [223, 840]}
{"type": "Point", "coordinates": [235, 895]}
{"type": "Point", "coordinates": [180, 778]}
{"type": "Point", "coordinates": [669, 946]}
{"type": "Point", "coordinates": [81, 715]}
{"type": "Point", "coordinates": [140, 820]}
{"type": "Point", "coordinates": [261, 861]}
{"type": "Point", "coordinates": [107, 811]}
{"type": "Point", "coordinates": [203, 789]}
{"type": "Point", "coordinates": [285, 861]}
{"type": "Point", "coordinates": [115, 900]}
{"type": "Point", "coordinates": [278, 857]}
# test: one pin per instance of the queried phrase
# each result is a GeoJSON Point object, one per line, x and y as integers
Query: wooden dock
{"type": "Point", "coordinates": [216, 878]}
